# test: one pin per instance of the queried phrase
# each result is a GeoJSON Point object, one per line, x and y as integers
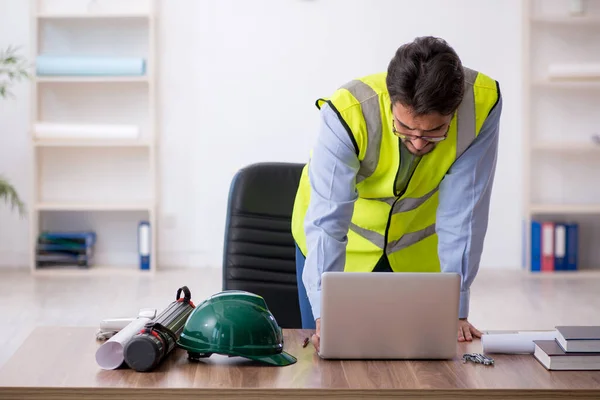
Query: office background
{"type": "Point", "coordinates": [225, 84]}
{"type": "Point", "coordinates": [236, 84]}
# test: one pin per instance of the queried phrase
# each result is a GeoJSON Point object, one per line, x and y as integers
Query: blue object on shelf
{"type": "Point", "coordinates": [65, 248]}
{"type": "Point", "coordinates": [560, 246]}
{"type": "Point", "coordinates": [49, 65]}
{"type": "Point", "coordinates": [144, 244]}
{"type": "Point", "coordinates": [572, 246]}
{"type": "Point", "coordinates": [536, 245]}
{"type": "Point", "coordinates": [88, 237]}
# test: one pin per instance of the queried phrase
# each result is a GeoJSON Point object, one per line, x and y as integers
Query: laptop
{"type": "Point", "coordinates": [389, 315]}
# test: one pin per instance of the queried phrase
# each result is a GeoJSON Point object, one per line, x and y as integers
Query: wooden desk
{"type": "Point", "coordinates": [59, 363]}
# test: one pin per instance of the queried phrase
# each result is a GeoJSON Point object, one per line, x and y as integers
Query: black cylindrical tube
{"type": "Point", "coordinates": [152, 344]}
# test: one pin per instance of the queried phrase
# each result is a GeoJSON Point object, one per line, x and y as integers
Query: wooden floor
{"type": "Point", "coordinates": [500, 299]}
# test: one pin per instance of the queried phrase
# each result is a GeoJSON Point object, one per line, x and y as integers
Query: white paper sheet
{"type": "Point", "coordinates": [110, 354]}
{"type": "Point", "coordinates": [48, 130]}
{"type": "Point", "coordinates": [115, 324]}
{"type": "Point", "coordinates": [514, 343]}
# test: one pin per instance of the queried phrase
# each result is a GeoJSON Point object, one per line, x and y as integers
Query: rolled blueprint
{"type": "Point", "coordinates": [110, 354]}
{"type": "Point", "coordinates": [514, 343]}
{"type": "Point", "coordinates": [49, 130]}
{"type": "Point", "coordinates": [116, 324]}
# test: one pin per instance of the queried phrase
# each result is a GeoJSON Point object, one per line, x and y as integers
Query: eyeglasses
{"type": "Point", "coordinates": [431, 139]}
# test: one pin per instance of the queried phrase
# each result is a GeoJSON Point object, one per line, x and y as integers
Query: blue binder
{"type": "Point", "coordinates": [560, 247]}
{"type": "Point", "coordinates": [536, 245]}
{"type": "Point", "coordinates": [572, 246]}
{"type": "Point", "coordinates": [144, 244]}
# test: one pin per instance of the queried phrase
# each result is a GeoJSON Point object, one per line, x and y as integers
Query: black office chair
{"type": "Point", "coordinates": [259, 251]}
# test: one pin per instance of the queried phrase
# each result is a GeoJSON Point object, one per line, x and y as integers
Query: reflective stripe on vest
{"type": "Point", "coordinates": [376, 238]}
{"type": "Point", "coordinates": [407, 203]}
{"type": "Point", "coordinates": [372, 113]}
{"type": "Point", "coordinates": [405, 241]}
{"type": "Point", "coordinates": [410, 238]}
{"type": "Point", "coordinates": [466, 115]}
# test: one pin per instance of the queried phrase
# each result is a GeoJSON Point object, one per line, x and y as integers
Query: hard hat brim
{"type": "Point", "coordinates": [281, 359]}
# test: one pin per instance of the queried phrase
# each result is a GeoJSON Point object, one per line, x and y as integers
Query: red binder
{"type": "Point", "coordinates": [547, 246]}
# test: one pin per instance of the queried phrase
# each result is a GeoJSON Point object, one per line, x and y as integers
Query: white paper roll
{"type": "Point", "coordinates": [514, 343]}
{"type": "Point", "coordinates": [110, 354]}
{"type": "Point", "coordinates": [115, 324]}
{"type": "Point", "coordinates": [576, 7]}
{"type": "Point", "coordinates": [574, 71]}
{"type": "Point", "coordinates": [48, 130]}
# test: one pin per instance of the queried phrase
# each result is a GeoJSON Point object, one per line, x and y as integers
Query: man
{"type": "Point", "coordinates": [401, 176]}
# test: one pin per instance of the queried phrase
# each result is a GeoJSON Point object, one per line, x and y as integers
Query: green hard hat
{"type": "Point", "coordinates": [234, 323]}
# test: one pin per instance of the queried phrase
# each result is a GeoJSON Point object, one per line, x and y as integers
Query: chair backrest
{"type": "Point", "coordinates": [259, 250]}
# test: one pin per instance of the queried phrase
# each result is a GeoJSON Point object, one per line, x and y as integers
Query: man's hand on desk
{"type": "Point", "coordinates": [466, 331]}
{"type": "Point", "coordinates": [316, 337]}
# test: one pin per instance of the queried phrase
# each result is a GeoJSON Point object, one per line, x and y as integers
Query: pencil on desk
{"type": "Point", "coordinates": [306, 340]}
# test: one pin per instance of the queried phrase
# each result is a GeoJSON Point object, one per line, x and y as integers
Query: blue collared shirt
{"type": "Point", "coordinates": [462, 214]}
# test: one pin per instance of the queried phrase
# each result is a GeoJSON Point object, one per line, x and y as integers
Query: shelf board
{"type": "Point", "coordinates": [566, 20]}
{"type": "Point", "coordinates": [566, 147]}
{"type": "Point", "coordinates": [565, 208]}
{"type": "Point", "coordinates": [91, 143]}
{"type": "Point", "coordinates": [589, 84]}
{"type": "Point", "coordinates": [92, 79]}
{"type": "Point", "coordinates": [92, 15]}
{"type": "Point", "coordinates": [95, 270]}
{"type": "Point", "coordinates": [590, 272]}
{"type": "Point", "coordinates": [48, 206]}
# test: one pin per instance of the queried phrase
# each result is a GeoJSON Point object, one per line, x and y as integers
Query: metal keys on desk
{"type": "Point", "coordinates": [478, 358]}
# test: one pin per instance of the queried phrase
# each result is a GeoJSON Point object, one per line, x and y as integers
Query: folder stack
{"type": "Point", "coordinates": [554, 246]}
{"type": "Point", "coordinates": [65, 249]}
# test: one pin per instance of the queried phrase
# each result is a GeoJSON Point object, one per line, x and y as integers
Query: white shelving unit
{"type": "Point", "coordinates": [108, 185]}
{"type": "Point", "coordinates": [560, 115]}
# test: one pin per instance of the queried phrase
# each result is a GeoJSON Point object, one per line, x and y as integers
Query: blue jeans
{"type": "Point", "coordinates": [308, 321]}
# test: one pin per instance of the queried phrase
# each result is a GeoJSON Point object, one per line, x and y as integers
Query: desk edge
{"type": "Point", "coordinates": [28, 393]}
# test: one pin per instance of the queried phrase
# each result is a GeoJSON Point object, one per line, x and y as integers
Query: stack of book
{"type": "Point", "coordinates": [65, 249]}
{"type": "Point", "coordinates": [575, 348]}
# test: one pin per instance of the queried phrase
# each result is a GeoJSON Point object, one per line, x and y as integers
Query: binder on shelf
{"type": "Point", "coordinates": [560, 247]}
{"type": "Point", "coordinates": [536, 246]}
{"type": "Point", "coordinates": [572, 245]}
{"type": "Point", "coordinates": [547, 246]}
{"type": "Point", "coordinates": [144, 244]}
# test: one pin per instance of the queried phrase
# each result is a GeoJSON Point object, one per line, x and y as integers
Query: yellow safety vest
{"type": "Point", "coordinates": [402, 227]}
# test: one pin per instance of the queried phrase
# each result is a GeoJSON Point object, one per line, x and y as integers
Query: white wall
{"type": "Point", "coordinates": [14, 150]}
{"type": "Point", "coordinates": [238, 81]}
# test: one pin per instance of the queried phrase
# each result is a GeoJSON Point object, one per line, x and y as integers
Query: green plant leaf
{"type": "Point", "coordinates": [10, 196]}
{"type": "Point", "coordinates": [13, 68]}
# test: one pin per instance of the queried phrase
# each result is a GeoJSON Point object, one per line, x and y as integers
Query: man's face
{"type": "Point", "coordinates": [419, 133]}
